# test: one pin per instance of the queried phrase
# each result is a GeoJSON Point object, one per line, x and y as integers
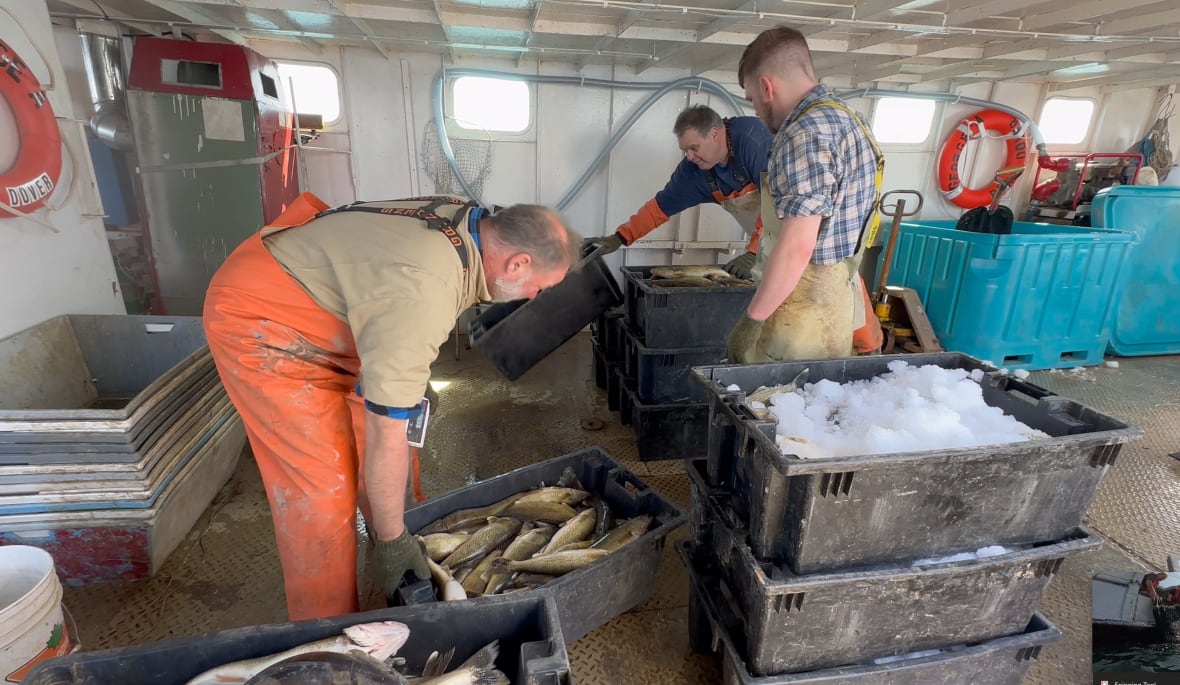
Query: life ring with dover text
{"type": "Point", "coordinates": [30, 181]}
{"type": "Point", "coordinates": [1000, 123]}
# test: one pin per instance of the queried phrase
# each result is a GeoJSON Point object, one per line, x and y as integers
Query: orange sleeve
{"type": "Point", "coordinates": [647, 219]}
{"type": "Point", "coordinates": [752, 246]}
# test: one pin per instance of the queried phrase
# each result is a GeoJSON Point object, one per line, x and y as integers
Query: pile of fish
{"type": "Point", "coordinates": [523, 541]}
{"type": "Point", "coordinates": [687, 276]}
{"type": "Point", "coordinates": [363, 655]}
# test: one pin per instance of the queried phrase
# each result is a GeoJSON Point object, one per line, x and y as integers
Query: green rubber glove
{"type": "Point", "coordinates": [742, 266]}
{"type": "Point", "coordinates": [397, 558]}
{"type": "Point", "coordinates": [742, 339]}
{"type": "Point", "coordinates": [611, 242]}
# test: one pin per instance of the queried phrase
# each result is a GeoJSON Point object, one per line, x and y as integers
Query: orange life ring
{"type": "Point", "coordinates": [950, 184]}
{"type": "Point", "coordinates": [28, 184]}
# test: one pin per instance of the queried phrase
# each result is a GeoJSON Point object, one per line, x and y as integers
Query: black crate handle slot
{"type": "Point", "coordinates": [1036, 392]}
{"type": "Point", "coordinates": [836, 484]}
{"type": "Point", "coordinates": [1105, 456]}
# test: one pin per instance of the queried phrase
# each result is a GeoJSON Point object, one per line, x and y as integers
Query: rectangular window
{"type": "Point", "coordinates": [183, 72]}
{"type": "Point", "coordinates": [1066, 121]}
{"type": "Point", "coordinates": [903, 120]}
{"type": "Point", "coordinates": [491, 104]}
{"type": "Point", "coordinates": [269, 87]}
{"type": "Point", "coordinates": [316, 89]}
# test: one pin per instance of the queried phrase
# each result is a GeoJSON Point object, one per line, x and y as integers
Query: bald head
{"type": "Point", "coordinates": [780, 51]}
{"type": "Point", "coordinates": [526, 248]}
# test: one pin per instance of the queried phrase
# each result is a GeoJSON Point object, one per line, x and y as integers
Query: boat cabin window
{"type": "Point", "coordinates": [903, 120]}
{"type": "Point", "coordinates": [1066, 121]}
{"type": "Point", "coordinates": [316, 89]}
{"type": "Point", "coordinates": [491, 104]}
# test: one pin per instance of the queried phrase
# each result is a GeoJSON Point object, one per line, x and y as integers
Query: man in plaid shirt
{"type": "Point", "coordinates": [818, 198]}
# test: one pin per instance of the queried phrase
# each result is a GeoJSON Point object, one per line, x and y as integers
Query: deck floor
{"type": "Point", "coordinates": [226, 572]}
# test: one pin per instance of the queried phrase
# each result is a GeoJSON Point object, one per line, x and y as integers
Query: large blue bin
{"type": "Point", "coordinates": [1143, 320]}
{"type": "Point", "coordinates": [1039, 298]}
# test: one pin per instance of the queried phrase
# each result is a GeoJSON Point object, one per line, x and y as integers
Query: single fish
{"type": "Point", "coordinates": [764, 394]}
{"type": "Point", "coordinates": [523, 547]}
{"type": "Point", "coordinates": [731, 282]}
{"type": "Point", "coordinates": [581, 544]}
{"type": "Point", "coordinates": [631, 529]}
{"type": "Point", "coordinates": [476, 581]}
{"type": "Point", "coordinates": [539, 510]}
{"type": "Point", "coordinates": [466, 517]}
{"type": "Point", "coordinates": [528, 581]}
{"type": "Point", "coordinates": [604, 517]}
{"type": "Point", "coordinates": [378, 640]}
{"type": "Point", "coordinates": [495, 533]}
{"type": "Point", "coordinates": [460, 574]}
{"type": "Point", "coordinates": [687, 271]}
{"type": "Point", "coordinates": [553, 564]}
{"type": "Point", "coordinates": [578, 528]}
{"type": "Point", "coordinates": [480, 669]}
{"type": "Point", "coordinates": [449, 589]}
{"type": "Point", "coordinates": [315, 668]}
{"type": "Point", "coordinates": [569, 496]}
{"type": "Point", "coordinates": [683, 282]}
{"type": "Point", "coordinates": [439, 546]}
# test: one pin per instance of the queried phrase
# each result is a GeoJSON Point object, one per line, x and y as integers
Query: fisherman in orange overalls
{"type": "Point", "coordinates": [724, 160]}
{"type": "Point", "coordinates": [323, 327]}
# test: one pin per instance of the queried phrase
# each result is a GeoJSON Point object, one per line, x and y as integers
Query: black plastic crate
{"type": "Point", "coordinates": [515, 336]}
{"type": "Point", "coordinates": [600, 366]}
{"type": "Point", "coordinates": [626, 399]}
{"type": "Point", "coordinates": [714, 628]}
{"type": "Point", "coordinates": [828, 514]}
{"type": "Point", "coordinates": [669, 431]}
{"type": "Point", "coordinates": [612, 336]}
{"type": "Point", "coordinates": [664, 376]}
{"type": "Point", "coordinates": [616, 383]}
{"type": "Point", "coordinates": [799, 623]}
{"type": "Point", "coordinates": [594, 594]}
{"type": "Point", "coordinates": [532, 645]}
{"type": "Point", "coordinates": [681, 317]}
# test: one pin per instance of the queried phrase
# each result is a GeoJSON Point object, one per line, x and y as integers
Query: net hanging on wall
{"type": "Point", "coordinates": [473, 157]}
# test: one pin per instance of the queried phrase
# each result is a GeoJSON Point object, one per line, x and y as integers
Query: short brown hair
{"type": "Point", "coordinates": [780, 48]}
{"type": "Point", "coordinates": [539, 232]}
{"type": "Point", "coordinates": [700, 118]}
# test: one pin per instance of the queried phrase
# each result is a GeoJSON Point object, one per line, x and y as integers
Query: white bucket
{"type": "Point", "coordinates": [32, 628]}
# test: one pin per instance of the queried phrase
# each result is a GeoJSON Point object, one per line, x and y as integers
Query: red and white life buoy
{"type": "Point", "coordinates": [28, 184]}
{"type": "Point", "coordinates": [1001, 123]}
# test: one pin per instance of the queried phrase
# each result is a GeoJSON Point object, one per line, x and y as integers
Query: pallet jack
{"type": "Point", "coordinates": [903, 319]}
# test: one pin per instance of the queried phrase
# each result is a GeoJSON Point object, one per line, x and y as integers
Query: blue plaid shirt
{"type": "Point", "coordinates": [821, 163]}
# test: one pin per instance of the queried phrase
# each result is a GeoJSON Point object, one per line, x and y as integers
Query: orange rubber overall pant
{"type": "Point", "coordinates": [290, 368]}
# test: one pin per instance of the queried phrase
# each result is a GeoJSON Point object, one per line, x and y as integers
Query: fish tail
{"type": "Point", "coordinates": [485, 658]}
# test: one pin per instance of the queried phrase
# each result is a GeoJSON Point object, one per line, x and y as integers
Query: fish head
{"type": "Point", "coordinates": [379, 640]}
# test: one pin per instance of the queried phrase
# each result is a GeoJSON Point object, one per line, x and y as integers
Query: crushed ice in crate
{"type": "Point", "coordinates": [904, 657]}
{"type": "Point", "coordinates": [981, 553]}
{"type": "Point", "coordinates": [734, 388]}
{"type": "Point", "coordinates": [908, 409]}
{"type": "Point", "coordinates": [1021, 373]}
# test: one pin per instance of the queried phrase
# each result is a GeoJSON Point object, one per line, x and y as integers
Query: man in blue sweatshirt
{"type": "Point", "coordinates": [723, 162]}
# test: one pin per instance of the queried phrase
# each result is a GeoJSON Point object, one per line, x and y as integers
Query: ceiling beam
{"type": "Point", "coordinates": [1168, 72]}
{"type": "Point", "coordinates": [1150, 83]}
{"type": "Point", "coordinates": [726, 59]}
{"type": "Point", "coordinates": [985, 10]}
{"type": "Point", "coordinates": [311, 44]}
{"type": "Point", "coordinates": [1074, 49]}
{"type": "Point", "coordinates": [1158, 20]}
{"type": "Point", "coordinates": [189, 13]}
{"type": "Point", "coordinates": [723, 23]}
{"type": "Point", "coordinates": [961, 68]}
{"type": "Point", "coordinates": [1080, 11]}
{"type": "Point", "coordinates": [528, 36]}
{"type": "Point", "coordinates": [87, 5]}
{"type": "Point", "coordinates": [1137, 49]}
{"type": "Point", "coordinates": [876, 71]}
{"type": "Point", "coordinates": [873, 9]}
{"type": "Point", "coordinates": [662, 56]}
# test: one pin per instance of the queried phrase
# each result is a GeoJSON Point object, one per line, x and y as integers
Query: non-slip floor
{"type": "Point", "coordinates": [226, 573]}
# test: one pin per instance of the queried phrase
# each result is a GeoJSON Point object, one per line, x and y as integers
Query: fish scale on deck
{"type": "Point", "coordinates": [786, 553]}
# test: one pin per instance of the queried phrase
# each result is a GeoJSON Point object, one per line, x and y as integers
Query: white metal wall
{"type": "Point", "coordinates": [58, 264]}
{"type": "Point", "coordinates": [388, 103]}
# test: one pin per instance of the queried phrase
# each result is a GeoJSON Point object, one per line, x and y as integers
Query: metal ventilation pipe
{"type": "Point", "coordinates": [103, 60]}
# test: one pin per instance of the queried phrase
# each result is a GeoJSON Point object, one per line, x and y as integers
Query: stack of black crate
{"type": "Point", "coordinates": [836, 569]}
{"type": "Point", "coordinates": [645, 353]}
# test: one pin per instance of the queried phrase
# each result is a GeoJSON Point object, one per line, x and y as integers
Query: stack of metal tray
{"type": "Point", "coordinates": [115, 434]}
